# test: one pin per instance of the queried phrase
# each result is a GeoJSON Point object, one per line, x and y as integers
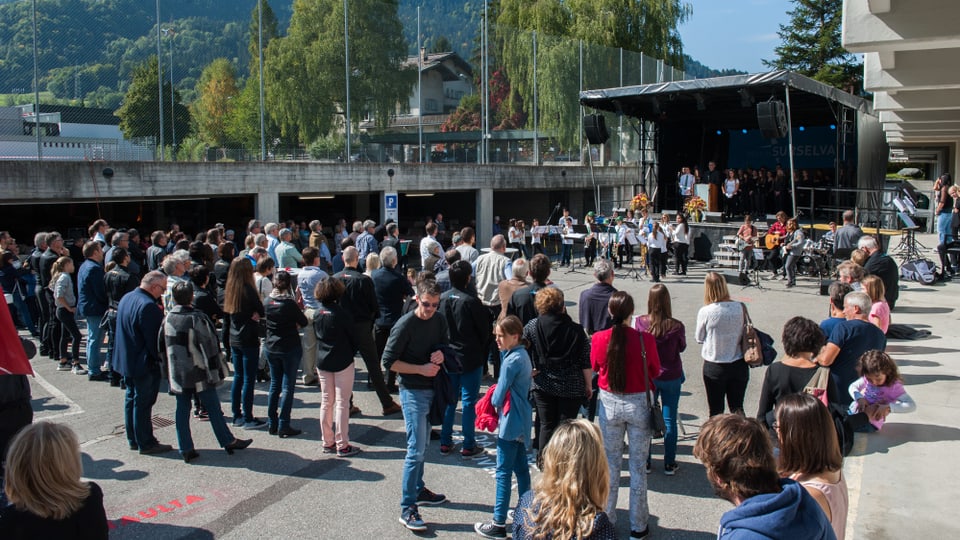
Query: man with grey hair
{"type": "Point", "coordinates": [490, 269]}
{"type": "Point", "coordinates": [360, 301]}
{"type": "Point", "coordinates": [850, 339]}
{"type": "Point", "coordinates": [121, 240]}
{"type": "Point", "coordinates": [366, 242]}
{"type": "Point", "coordinates": [307, 279]}
{"type": "Point", "coordinates": [882, 266]}
{"type": "Point", "coordinates": [287, 254]}
{"type": "Point", "coordinates": [272, 232]}
{"type": "Point", "coordinates": [137, 358]}
{"type": "Point", "coordinates": [594, 315]}
{"type": "Point", "coordinates": [392, 290]}
{"type": "Point", "coordinates": [174, 266]}
{"type": "Point", "coordinates": [39, 246]}
{"type": "Point", "coordinates": [847, 235]}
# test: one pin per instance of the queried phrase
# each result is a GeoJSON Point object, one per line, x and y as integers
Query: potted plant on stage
{"type": "Point", "coordinates": [639, 202]}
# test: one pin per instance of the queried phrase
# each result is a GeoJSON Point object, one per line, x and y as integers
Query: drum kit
{"type": "Point", "coordinates": [817, 259]}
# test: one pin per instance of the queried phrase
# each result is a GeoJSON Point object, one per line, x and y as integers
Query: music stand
{"type": "Point", "coordinates": [579, 233]}
{"type": "Point", "coordinates": [754, 271]}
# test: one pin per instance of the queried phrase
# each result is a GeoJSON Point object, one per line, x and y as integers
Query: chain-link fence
{"type": "Point", "coordinates": [113, 84]}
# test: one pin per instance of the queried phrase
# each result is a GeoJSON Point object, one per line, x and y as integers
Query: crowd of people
{"type": "Point", "coordinates": [294, 307]}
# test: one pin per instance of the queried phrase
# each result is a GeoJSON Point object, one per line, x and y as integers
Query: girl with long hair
{"type": "Point", "coordinates": [719, 327]}
{"type": "Point", "coordinates": [625, 360]}
{"type": "Point", "coordinates": [568, 500]}
{"type": "Point", "coordinates": [516, 421]}
{"type": "Point", "coordinates": [656, 251]}
{"type": "Point", "coordinates": [880, 310]}
{"type": "Point", "coordinates": [671, 337]}
{"type": "Point", "coordinates": [47, 497]}
{"type": "Point", "coordinates": [242, 303]}
{"type": "Point", "coordinates": [810, 454]}
{"type": "Point", "coordinates": [66, 314]}
{"type": "Point", "coordinates": [680, 234]}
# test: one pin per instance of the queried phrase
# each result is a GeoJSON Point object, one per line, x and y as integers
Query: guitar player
{"type": "Point", "coordinates": [774, 238]}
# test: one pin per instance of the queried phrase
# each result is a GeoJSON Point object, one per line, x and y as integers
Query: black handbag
{"type": "Point", "coordinates": [658, 427]}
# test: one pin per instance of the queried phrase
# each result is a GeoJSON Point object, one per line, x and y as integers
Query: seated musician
{"type": "Point", "coordinates": [746, 236]}
{"type": "Point", "coordinates": [773, 240]}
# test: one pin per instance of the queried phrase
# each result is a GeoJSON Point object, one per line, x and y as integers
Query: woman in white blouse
{"type": "Point", "coordinates": [681, 245]}
{"type": "Point", "coordinates": [719, 327]}
{"type": "Point", "coordinates": [656, 249]}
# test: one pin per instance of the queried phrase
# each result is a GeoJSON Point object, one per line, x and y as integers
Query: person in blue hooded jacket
{"type": "Point", "coordinates": [738, 456]}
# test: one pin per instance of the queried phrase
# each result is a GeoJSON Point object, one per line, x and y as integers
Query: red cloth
{"type": "Point", "coordinates": [13, 359]}
{"type": "Point", "coordinates": [487, 417]}
{"type": "Point", "coordinates": [635, 379]}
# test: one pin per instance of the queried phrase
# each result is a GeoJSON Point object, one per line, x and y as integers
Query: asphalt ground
{"type": "Point", "coordinates": [902, 480]}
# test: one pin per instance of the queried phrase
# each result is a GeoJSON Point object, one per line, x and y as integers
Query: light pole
{"type": "Point", "coordinates": [263, 131]}
{"type": "Point", "coordinates": [160, 84]}
{"type": "Point", "coordinates": [170, 33]}
{"type": "Point", "coordinates": [419, 92]}
{"type": "Point", "coordinates": [36, 86]}
{"type": "Point", "coordinates": [346, 56]}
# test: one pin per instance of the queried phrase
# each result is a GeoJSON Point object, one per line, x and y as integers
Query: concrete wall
{"type": "Point", "coordinates": [25, 182]}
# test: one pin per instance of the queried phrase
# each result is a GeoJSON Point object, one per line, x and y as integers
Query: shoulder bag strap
{"type": "Point", "coordinates": [746, 315]}
{"type": "Point", "coordinates": [646, 372]}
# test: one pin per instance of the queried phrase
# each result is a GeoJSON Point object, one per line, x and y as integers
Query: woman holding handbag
{"type": "Point", "coordinates": [671, 339]}
{"type": "Point", "coordinates": [720, 327]}
{"type": "Point", "coordinates": [626, 360]}
{"type": "Point", "coordinates": [802, 340]}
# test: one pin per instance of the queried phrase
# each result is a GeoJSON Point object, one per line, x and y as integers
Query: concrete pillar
{"type": "Point", "coordinates": [484, 217]}
{"type": "Point", "coordinates": [577, 210]}
{"type": "Point", "coordinates": [268, 207]}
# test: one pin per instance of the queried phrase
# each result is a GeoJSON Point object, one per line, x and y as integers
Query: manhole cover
{"type": "Point", "coordinates": [161, 422]}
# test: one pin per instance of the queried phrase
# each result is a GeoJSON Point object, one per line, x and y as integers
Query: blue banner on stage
{"type": "Point", "coordinates": [814, 148]}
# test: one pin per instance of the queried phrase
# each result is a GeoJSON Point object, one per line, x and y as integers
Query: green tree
{"type": "Point", "coordinates": [140, 112]}
{"type": "Point", "coordinates": [216, 91]}
{"type": "Point", "coordinates": [811, 45]}
{"type": "Point", "coordinates": [646, 26]}
{"type": "Point", "coordinates": [244, 124]}
{"type": "Point", "coordinates": [304, 71]}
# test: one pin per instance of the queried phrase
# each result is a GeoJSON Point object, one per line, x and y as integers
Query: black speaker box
{"type": "Point", "coordinates": [595, 128]}
{"type": "Point", "coordinates": [772, 119]}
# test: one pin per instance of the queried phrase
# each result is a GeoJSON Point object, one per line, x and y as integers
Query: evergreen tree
{"type": "Point", "coordinates": [811, 45]}
{"type": "Point", "coordinates": [140, 112]}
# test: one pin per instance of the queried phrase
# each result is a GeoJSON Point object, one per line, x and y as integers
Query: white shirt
{"type": "Point", "coordinates": [657, 241]}
{"type": "Point", "coordinates": [680, 233]}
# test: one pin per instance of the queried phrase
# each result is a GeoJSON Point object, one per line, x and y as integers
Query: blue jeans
{"type": "Point", "coordinates": [466, 386]}
{"type": "Point", "coordinates": [141, 396]}
{"type": "Point", "coordinates": [943, 227]}
{"type": "Point", "coordinates": [416, 407]}
{"type": "Point", "coordinates": [94, 343]}
{"type": "Point", "coordinates": [211, 402]}
{"type": "Point", "coordinates": [669, 394]}
{"type": "Point", "coordinates": [628, 413]}
{"type": "Point", "coordinates": [24, 312]}
{"type": "Point", "coordinates": [283, 374]}
{"type": "Point", "coordinates": [566, 251]}
{"type": "Point", "coordinates": [245, 362]}
{"type": "Point", "coordinates": [511, 459]}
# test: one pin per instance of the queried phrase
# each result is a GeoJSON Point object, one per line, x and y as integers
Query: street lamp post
{"type": "Point", "coordinates": [346, 56]}
{"type": "Point", "coordinates": [170, 33]}
{"type": "Point", "coordinates": [160, 84]}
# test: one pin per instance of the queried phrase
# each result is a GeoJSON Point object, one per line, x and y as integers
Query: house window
{"type": "Point", "coordinates": [430, 105]}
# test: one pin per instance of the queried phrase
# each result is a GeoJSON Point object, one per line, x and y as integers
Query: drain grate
{"type": "Point", "coordinates": [161, 422]}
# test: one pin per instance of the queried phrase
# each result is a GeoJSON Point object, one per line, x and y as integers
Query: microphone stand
{"type": "Point", "coordinates": [550, 222]}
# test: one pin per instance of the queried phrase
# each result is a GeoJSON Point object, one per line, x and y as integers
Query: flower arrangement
{"type": "Point", "coordinates": [695, 207]}
{"type": "Point", "coordinates": [639, 202]}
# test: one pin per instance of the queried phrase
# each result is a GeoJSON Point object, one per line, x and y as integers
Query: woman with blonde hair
{"type": "Point", "coordinates": [880, 310]}
{"type": "Point", "coordinates": [719, 328]}
{"type": "Point", "coordinates": [47, 497]}
{"type": "Point", "coordinates": [569, 498]}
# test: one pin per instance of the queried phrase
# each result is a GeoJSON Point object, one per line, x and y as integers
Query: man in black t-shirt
{"type": "Point", "coordinates": [411, 352]}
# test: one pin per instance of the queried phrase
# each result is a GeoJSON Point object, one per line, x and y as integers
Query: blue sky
{"type": "Point", "coordinates": [734, 34]}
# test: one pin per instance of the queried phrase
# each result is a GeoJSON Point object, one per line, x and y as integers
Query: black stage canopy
{"type": "Point", "coordinates": [716, 119]}
{"type": "Point", "coordinates": [724, 102]}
